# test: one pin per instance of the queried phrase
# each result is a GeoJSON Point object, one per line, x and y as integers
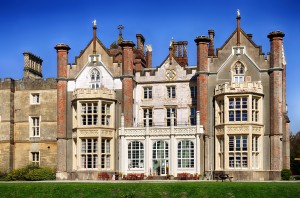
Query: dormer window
{"type": "Point", "coordinates": [238, 73]}
{"type": "Point", "coordinates": [95, 79]}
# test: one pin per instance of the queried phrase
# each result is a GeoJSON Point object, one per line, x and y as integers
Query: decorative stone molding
{"type": "Point", "coordinates": [238, 129]}
{"type": "Point", "coordinates": [88, 133]}
{"type": "Point", "coordinates": [94, 93]}
{"type": "Point", "coordinates": [245, 87]}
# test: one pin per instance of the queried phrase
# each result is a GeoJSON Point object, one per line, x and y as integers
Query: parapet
{"type": "Point", "coordinates": [94, 93]}
{"type": "Point", "coordinates": [245, 87]}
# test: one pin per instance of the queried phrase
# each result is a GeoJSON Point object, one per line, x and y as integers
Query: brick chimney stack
{"type": "Point", "coordinates": [140, 42]}
{"type": "Point", "coordinates": [276, 98]}
{"type": "Point", "coordinates": [62, 61]}
{"type": "Point", "coordinates": [202, 79]}
{"type": "Point", "coordinates": [140, 59]}
{"type": "Point", "coordinates": [211, 50]}
{"type": "Point", "coordinates": [149, 56]}
{"type": "Point", "coordinates": [127, 82]}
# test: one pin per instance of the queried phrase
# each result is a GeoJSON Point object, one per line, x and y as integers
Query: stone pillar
{"type": "Point", "coordinates": [62, 61]}
{"type": "Point", "coordinates": [122, 148]}
{"type": "Point", "coordinates": [147, 163]}
{"type": "Point", "coordinates": [276, 99]}
{"type": "Point", "coordinates": [127, 82]}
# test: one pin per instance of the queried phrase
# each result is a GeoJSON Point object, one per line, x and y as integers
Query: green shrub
{"type": "Point", "coordinates": [31, 173]}
{"type": "Point", "coordinates": [286, 174]}
{"type": "Point", "coordinates": [2, 175]}
{"type": "Point", "coordinates": [43, 173]}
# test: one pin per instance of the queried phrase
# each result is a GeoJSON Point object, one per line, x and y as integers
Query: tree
{"type": "Point", "coordinates": [295, 153]}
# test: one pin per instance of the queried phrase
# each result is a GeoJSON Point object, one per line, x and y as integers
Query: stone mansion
{"type": "Point", "coordinates": [111, 111]}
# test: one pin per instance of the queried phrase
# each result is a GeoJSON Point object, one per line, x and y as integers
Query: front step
{"type": "Point", "coordinates": [157, 177]}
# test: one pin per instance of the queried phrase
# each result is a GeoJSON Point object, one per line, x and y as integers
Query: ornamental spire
{"type": "Point", "coordinates": [120, 28]}
{"type": "Point", "coordinates": [94, 36]}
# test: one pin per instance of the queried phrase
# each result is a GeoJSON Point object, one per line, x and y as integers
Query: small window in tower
{"type": "Point", "coordinates": [94, 79]}
{"type": "Point", "coordinates": [238, 73]}
{"type": "Point", "coordinates": [34, 98]}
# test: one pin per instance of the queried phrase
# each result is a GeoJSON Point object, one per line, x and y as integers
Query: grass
{"type": "Point", "coordinates": [157, 190]}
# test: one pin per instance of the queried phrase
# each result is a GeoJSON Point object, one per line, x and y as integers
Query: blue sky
{"type": "Point", "coordinates": [38, 25]}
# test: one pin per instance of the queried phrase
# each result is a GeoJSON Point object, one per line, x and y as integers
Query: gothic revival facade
{"type": "Point", "coordinates": [111, 111]}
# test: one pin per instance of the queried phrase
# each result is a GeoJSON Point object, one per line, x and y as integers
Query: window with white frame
{"type": "Point", "coordinates": [193, 90]}
{"type": "Point", "coordinates": [105, 114]}
{"type": "Point", "coordinates": [238, 109]}
{"type": "Point", "coordinates": [94, 79]}
{"type": "Point", "coordinates": [147, 92]}
{"type": "Point", "coordinates": [255, 109]}
{"type": "Point", "coordinates": [185, 154]}
{"type": "Point", "coordinates": [238, 151]}
{"type": "Point", "coordinates": [171, 91]}
{"type": "Point", "coordinates": [89, 113]}
{"type": "Point", "coordinates": [255, 152]}
{"type": "Point", "coordinates": [193, 115]}
{"type": "Point", "coordinates": [160, 150]}
{"type": "Point", "coordinates": [238, 73]}
{"type": "Point", "coordinates": [169, 112]}
{"type": "Point", "coordinates": [150, 116]}
{"type": "Point", "coordinates": [221, 152]}
{"type": "Point", "coordinates": [221, 111]}
{"type": "Point", "coordinates": [35, 158]}
{"type": "Point", "coordinates": [89, 156]}
{"type": "Point", "coordinates": [105, 153]}
{"type": "Point", "coordinates": [136, 154]}
{"type": "Point", "coordinates": [34, 126]}
{"type": "Point", "coordinates": [34, 98]}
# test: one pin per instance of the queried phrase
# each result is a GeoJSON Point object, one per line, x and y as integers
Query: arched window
{"type": "Point", "coordinates": [94, 79]}
{"type": "Point", "coordinates": [136, 154]}
{"type": "Point", "coordinates": [160, 150]}
{"type": "Point", "coordinates": [186, 154]}
{"type": "Point", "coordinates": [238, 73]}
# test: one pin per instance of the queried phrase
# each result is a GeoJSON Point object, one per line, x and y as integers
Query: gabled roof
{"type": "Point", "coordinates": [82, 51]}
{"type": "Point", "coordinates": [245, 34]}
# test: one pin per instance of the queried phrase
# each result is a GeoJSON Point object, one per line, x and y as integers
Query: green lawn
{"type": "Point", "coordinates": [176, 189]}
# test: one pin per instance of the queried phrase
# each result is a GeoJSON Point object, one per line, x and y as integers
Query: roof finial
{"type": "Point", "coordinates": [238, 13]}
{"type": "Point", "coordinates": [95, 23]}
{"type": "Point", "coordinates": [120, 28]}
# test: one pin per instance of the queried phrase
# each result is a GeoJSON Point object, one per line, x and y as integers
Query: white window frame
{"type": "Point", "coordinates": [238, 73]}
{"type": "Point", "coordinates": [35, 98]}
{"type": "Point", "coordinates": [185, 154]}
{"type": "Point", "coordinates": [106, 113]}
{"type": "Point", "coordinates": [105, 153]}
{"type": "Point", "coordinates": [238, 109]}
{"type": "Point", "coordinates": [171, 92]}
{"type": "Point", "coordinates": [169, 110]}
{"type": "Point", "coordinates": [150, 116]}
{"type": "Point", "coordinates": [148, 91]}
{"type": "Point", "coordinates": [35, 126]}
{"type": "Point", "coordinates": [89, 153]}
{"type": "Point", "coordinates": [35, 158]}
{"type": "Point", "coordinates": [255, 152]}
{"type": "Point", "coordinates": [136, 155]}
{"type": "Point", "coordinates": [89, 113]}
{"type": "Point", "coordinates": [95, 77]}
{"type": "Point", "coordinates": [238, 152]}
